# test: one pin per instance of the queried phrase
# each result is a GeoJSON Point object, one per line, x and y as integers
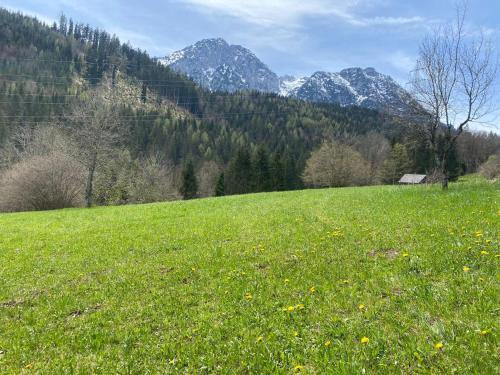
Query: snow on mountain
{"type": "Point", "coordinates": [219, 66]}
{"type": "Point", "coordinates": [354, 86]}
{"type": "Point", "coordinates": [289, 85]}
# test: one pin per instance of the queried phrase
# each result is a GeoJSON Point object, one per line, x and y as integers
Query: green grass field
{"type": "Point", "coordinates": [375, 279]}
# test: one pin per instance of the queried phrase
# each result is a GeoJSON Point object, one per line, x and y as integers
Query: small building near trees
{"type": "Point", "coordinates": [413, 179]}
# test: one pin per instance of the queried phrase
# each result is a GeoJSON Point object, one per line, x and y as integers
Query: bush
{"type": "Point", "coordinates": [491, 168]}
{"type": "Point", "coordinates": [42, 183]}
{"type": "Point", "coordinates": [335, 165]}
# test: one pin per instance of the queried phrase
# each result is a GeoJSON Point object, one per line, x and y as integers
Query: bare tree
{"type": "Point", "coordinates": [97, 131]}
{"type": "Point", "coordinates": [453, 82]}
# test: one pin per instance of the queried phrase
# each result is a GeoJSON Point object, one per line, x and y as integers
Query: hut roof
{"type": "Point", "coordinates": [412, 179]}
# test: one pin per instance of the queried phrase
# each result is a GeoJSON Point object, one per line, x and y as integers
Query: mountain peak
{"type": "Point", "coordinates": [220, 66]}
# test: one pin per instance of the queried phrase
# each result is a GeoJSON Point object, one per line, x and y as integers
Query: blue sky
{"type": "Point", "coordinates": [295, 37]}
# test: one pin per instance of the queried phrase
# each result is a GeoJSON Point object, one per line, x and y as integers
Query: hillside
{"type": "Point", "coordinates": [377, 279]}
{"type": "Point", "coordinates": [45, 70]}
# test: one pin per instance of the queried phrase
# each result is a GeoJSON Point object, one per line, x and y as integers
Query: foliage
{"type": "Point", "coordinates": [334, 165]}
{"type": "Point", "coordinates": [396, 165]}
{"type": "Point", "coordinates": [189, 188]}
{"type": "Point", "coordinates": [491, 168]}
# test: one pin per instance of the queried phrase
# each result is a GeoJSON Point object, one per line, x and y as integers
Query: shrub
{"type": "Point", "coordinates": [335, 165]}
{"type": "Point", "coordinates": [491, 168]}
{"type": "Point", "coordinates": [42, 183]}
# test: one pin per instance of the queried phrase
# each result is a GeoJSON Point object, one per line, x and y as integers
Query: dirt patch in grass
{"type": "Point", "coordinates": [87, 310]}
{"type": "Point", "coordinates": [389, 253]}
{"type": "Point", "coordinates": [12, 303]}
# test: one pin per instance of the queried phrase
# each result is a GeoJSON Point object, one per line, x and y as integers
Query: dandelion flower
{"type": "Point", "coordinates": [484, 332]}
{"type": "Point", "coordinates": [466, 269]}
{"type": "Point", "coordinates": [365, 340]}
{"type": "Point", "coordinates": [300, 306]}
{"type": "Point", "coordinates": [259, 339]}
{"type": "Point", "coordinates": [439, 346]}
{"type": "Point", "coordinates": [193, 269]}
{"type": "Point", "coordinates": [248, 296]}
{"type": "Point", "coordinates": [361, 307]}
{"type": "Point", "coordinates": [328, 343]}
{"type": "Point", "coordinates": [287, 280]}
{"type": "Point", "coordinates": [290, 308]}
{"type": "Point", "coordinates": [312, 289]}
{"type": "Point", "coordinates": [484, 252]}
{"type": "Point", "coordinates": [406, 255]}
{"type": "Point", "coordinates": [298, 368]}
{"type": "Point", "coordinates": [295, 334]}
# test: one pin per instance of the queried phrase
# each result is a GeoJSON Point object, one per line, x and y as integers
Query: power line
{"type": "Point", "coordinates": [186, 81]}
{"type": "Point", "coordinates": [118, 62]}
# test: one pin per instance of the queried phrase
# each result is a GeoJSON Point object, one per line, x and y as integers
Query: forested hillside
{"type": "Point", "coordinates": [239, 142]}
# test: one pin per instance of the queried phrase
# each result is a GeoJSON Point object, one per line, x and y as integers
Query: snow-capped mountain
{"type": "Point", "coordinates": [355, 86]}
{"type": "Point", "coordinates": [219, 66]}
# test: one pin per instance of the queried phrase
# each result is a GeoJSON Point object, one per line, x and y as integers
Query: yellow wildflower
{"type": "Point", "coordinates": [259, 339]}
{"type": "Point", "coordinates": [466, 269]}
{"type": "Point", "coordinates": [439, 346]}
{"type": "Point", "coordinates": [365, 340]}
{"type": "Point", "coordinates": [298, 368]}
{"type": "Point", "coordinates": [328, 343]}
{"type": "Point", "coordinates": [406, 255]}
{"type": "Point", "coordinates": [172, 361]}
{"type": "Point", "coordinates": [295, 333]}
{"type": "Point", "coordinates": [248, 296]}
{"type": "Point", "coordinates": [484, 252]}
{"type": "Point", "coordinates": [300, 306]}
{"type": "Point", "coordinates": [312, 289]}
{"type": "Point", "coordinates": [290, 308]}
{"type": "Point", "coordinates": [485, 332]}
{"type": "Point", "coordinates": [361, 307]}
{"type": "Point", "coordinates": [287, 280]}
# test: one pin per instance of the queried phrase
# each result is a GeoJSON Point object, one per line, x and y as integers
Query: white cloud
{"type": "Point", "coordinates": [289, 13]}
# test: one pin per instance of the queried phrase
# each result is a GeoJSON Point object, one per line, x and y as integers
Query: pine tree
{"type": "Point", "coordinates": [396, 165]}
{"type": "Point", "coordinates": [262, 173]}
{"type": "Point", "coordinates": [239, 174]}
{"type": "Point", "coordinates": [277, 173]}
{"type": "Point", "coordinates": [220, 188]}
{"type": "Point", "coordinates": [189, 188]}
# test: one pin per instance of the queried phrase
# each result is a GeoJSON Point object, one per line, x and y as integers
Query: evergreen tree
{"type": "Point", "coordinates": [277, 173]}
{"type": "Point", "coordinates": [220, 188]}
{"type": "Point", "coordinates": [239, 174]}
{"type": "Point", "coordinates": [189, 188]}
{"type": "Point", "coordinates": [144, 92]}
{"type": "Point", "coordinates": [396, 165]}
{"type": "Point", "coordinates": [63, 24]}
{"type": "Point", "coordinates": [262, 172]}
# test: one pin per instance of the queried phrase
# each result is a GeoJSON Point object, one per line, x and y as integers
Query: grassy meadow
{"type": "Point", "coordinates": [357, 280]}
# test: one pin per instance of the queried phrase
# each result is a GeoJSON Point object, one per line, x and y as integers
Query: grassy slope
{"type": "Point", "coordinates": [162, 287]}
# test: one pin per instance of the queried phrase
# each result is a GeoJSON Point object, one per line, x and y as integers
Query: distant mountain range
{"type": "Point", "coordinates": [219, 66]}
